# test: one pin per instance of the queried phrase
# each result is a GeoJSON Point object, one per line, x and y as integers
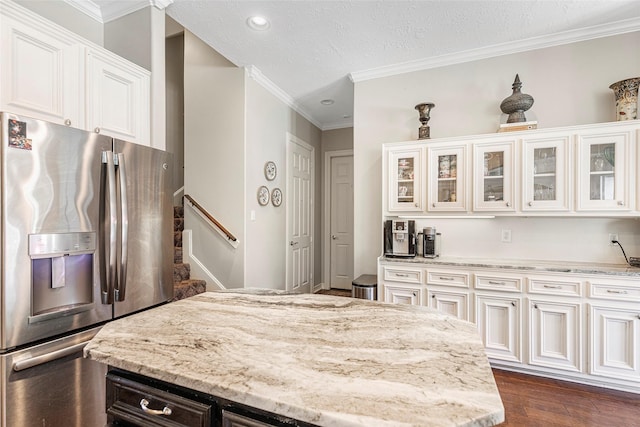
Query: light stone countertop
{"type": "Point", "coordinates": [622, 270]}
{"type": "Point", "coordinates": [325, 360]}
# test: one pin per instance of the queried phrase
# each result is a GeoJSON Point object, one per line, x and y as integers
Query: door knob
{"type": "Point", "coordinates": [334, 237]}
{"type": "Point", "coordinates": [292, 243]}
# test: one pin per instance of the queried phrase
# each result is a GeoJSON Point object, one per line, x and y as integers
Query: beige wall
{"type": "Point", "coordinates": [174, 71]}
{"type": "Point", "coordinates": [570, 85]}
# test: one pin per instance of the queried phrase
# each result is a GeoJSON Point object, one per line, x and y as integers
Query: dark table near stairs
{"type": "Point", "coordinates": [297, 359]}
{"type": "Point", "coordinates": [183, 285]}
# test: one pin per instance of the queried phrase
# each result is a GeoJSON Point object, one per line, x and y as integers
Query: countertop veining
{"type": "Point", "coordinates": [325, 360]}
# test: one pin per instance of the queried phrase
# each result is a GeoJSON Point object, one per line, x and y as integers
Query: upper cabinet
{"type": "Point", "coordinates": [52, 74]}
{"type": "Point", "coordinates": [546, 174]}
{"type": "Point", "coordinates": [603, 171]}
{"type": "Point", "coordinates": [493, 176]}
{"type": "Point", "coordinates": [405, 180]}
{"type": "Point", "coordinates": [573, 171]}
{"type": "Point", "coordinates": [446, 178]}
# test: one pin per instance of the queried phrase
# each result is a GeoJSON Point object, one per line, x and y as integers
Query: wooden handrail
{"type": "Point", "coordinates": [210, 218]}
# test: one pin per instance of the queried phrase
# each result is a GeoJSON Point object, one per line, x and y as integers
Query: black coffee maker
{"type": "Point", "coordinates": [400, 238]}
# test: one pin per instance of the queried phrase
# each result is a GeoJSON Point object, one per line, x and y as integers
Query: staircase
{"type": "Point", "coordinates": [183, 285]}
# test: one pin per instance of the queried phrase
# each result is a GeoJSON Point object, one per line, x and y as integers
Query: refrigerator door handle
{"type": "Point", "coordinates": [121, 285]}
{"type": "Point", "coordinates": [108, 226]}
{"type": "Point", "coordinates": [48, 357]}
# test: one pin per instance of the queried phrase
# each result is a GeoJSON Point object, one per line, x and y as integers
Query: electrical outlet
{"type": "Point", "coordinates": [506, 236]}
{"type": "Point", "coordinates": [612, 237]}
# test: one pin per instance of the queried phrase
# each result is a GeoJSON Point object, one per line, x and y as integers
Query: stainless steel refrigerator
{"type": "Point", "coordinates": [86, 236]}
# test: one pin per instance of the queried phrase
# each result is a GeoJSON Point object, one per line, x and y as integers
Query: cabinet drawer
{"type": "Point", "coordinates": [498, 283]}
{"type": "Point", "coordinates": [555, 286]}
{"type": "Point", "coordinates": [403, 275]}
{"type": "Point", "coordinates": [614, 291]}
{"type": "Point", "coordinates": [448, 278]}
{"type": "Point", "coordinates": [126, 399]}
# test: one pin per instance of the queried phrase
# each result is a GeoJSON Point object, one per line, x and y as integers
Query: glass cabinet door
{"type": "Point", "coordinates": [545, 174]}
{"type": "Point", "coordinates": [604, 184]}
{"type": "Point", "coordinates": [446, 171]}
{"type": "Point", "coordinates": [493, 177]}
{"type": "Point", "coordinates": [405, 170]}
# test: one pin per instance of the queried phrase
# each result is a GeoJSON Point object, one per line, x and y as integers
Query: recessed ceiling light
{"type": "Point", "coordinates": [327, 102]}
{"type": "Point", "coordinates": [258, 23]}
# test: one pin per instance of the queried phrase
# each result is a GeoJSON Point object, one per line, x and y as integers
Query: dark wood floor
{"type": "Point", "coordinates": [534, 401]}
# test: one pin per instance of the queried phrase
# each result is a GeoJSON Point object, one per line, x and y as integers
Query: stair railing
{"type": "Point", "coordinates": [230, 238]}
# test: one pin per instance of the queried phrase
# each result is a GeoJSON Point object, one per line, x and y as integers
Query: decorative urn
{"type": "Point", "coordinates": [424, 132]}
{"type": "Point", "coordinates": [516, 104]}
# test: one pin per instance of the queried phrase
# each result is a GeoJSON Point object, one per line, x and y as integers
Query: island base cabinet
{"type": "Point", "coordinates": [615, 352]}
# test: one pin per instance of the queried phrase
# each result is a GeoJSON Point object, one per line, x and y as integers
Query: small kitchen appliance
{"type": "Point", "coordinates": [430, 242]}
{"type": "Point", "coordinates": [400, 238]}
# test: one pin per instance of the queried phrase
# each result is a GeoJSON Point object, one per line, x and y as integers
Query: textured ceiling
{"type": "Point", "coordinates": [313, 47]}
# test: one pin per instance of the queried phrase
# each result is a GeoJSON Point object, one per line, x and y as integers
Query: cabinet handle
{"type": "Point", "coordinates": [144, 403]}
{"type": "Point", "coordinates": [491, 282]}
{"type": "Point", "coordinates": [614, 291]}
{"type": "Point", "coordinates": [446, 278]}
{"type": "Point", "coordinates": [67, 122]}
{"type": "Point", "coordinates": [97, 130]}
{"type": "Point", "coordinates": [552, 286]}
{"type": "Point", "coordinates": [402, 275]}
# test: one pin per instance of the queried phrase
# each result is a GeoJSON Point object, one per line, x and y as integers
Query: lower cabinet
{"type": "Point", "coordinates": [455, 303]}
{"type": "Point", "coordinates": [399, 294]}
{"type": "Point", "coordinates": [498, 320]}
{"type": "Point", "coordinates": [136, 400]}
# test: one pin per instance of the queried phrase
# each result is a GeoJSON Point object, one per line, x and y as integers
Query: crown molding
{"type": "Point", "coordinates": [557, 39]}
{"type": "Point", "coordinates": [338, 125]}
{"type": "Point", "coordinates": [115, 9]}
{"type": "Point", "coordinates": [253, 72]}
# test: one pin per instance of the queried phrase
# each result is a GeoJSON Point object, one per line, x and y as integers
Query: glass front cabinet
{"type": "Point", "coordinates": [405, 180]}
{"type": "Point", "coordinates": [603, 180]}
{"type": "Point", "coordinates": [493, 180]}
{"type": "Point", "coordinates": [546, 174]}
{"type": "Point", "coordinates": [446, 180]}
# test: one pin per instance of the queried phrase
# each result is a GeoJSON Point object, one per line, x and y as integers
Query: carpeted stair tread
{"type": "Point", "coordinates": [188, 288]}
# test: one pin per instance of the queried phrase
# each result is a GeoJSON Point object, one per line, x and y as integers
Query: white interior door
{"type": "Point", "coordinates": [341, 222]}
{"type": "Point", "coordinates": [300, 166]}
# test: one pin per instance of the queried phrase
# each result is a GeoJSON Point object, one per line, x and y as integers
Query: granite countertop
{"type": "Point", "coordinates": [525, 265]}
{"type": "Point", "coordinates": [325, 360]}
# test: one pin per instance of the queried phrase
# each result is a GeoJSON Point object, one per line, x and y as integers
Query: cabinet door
{"type": "Point", "coordinates": [403, 295]}
{"type": "Point", "coordinates": [450, 302]}
{"type": "Point", "coordinates": [498, 320]}
{"type": "Point", "coordinates": [555, 334]}
{"type": "Point", "coordinates": [615, 346]}
{"type": "Point", "coordinates": [546, 174]}
{"type": "Point", "coordinates": [118, 97]}
{"type": "Point", "coordinates": [493, 177]}
{"type": "Point", "coordinates": [446, 177]}
{"type": "Point", "coordinates": [41, 73]}
{"type": "Point", "coordinates": [405, 180]}
{"type": "Point", "coordinates": [603, 172]}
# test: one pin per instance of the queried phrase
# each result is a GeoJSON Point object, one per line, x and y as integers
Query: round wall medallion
{"type": "Point", "coordinates": [263, 196]}
{"type": "Point", "coordinates": [270, 171]}
{"type": "Point", "coordinates": [276, 197]}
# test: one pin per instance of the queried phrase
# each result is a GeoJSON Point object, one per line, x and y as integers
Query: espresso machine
{"type": "Point", "coordinates": [400, 238]}
{"type": "Point", "coordinates": [430, 242]}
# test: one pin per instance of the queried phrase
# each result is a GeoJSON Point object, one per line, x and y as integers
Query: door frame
{"type": "Point", "coordinates": [292, 139]}
{"type": "Point", "coordinates": [326, 212]}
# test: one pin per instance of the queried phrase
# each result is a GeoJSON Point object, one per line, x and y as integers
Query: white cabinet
{"type": "Point", "coordinates": [499, 325]}
{"type": "Point", "coordinates": [405, 180]}
{"type": "Point", "coordinates": [615, 336]}
{"type": "Point", "coordinates": [49, 73]}
{"type": "Point", "coordinates": [494, 177]}
{"type": "Point", "coordinates": [546, 174]}
{"type": "Point", "coordinates": [399, 294]}
{"type": "Point", "coordinates": [40, 73]}
{"type": "Point", "coordinates": [604, 171]}
{"type": "Point", "coordinates": [447, 185]}
{"type": "Point", "coordinates": [117, 97]}
{"type": "Point", "coordinates": [555, 334]}
{"type": "Point", "coordinates": [455, 303]}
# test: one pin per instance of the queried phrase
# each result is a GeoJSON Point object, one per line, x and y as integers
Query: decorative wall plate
{"type": "Point", "coordinates": [270, 171]}
{"type": "Point", "coordinates": [263, 196]}
{"type": "Point", "coordinates": [276, 197]}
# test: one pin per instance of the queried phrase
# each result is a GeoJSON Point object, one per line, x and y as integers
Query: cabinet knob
{"type": "Point", "coordinates": [416, 205]}
{"type": "Point", "coordinates": [434, 205]}
{"type": "Point", "coordinates": [67, 122]}
{"type": "Point", "coordinates": [530, 203]}
{"type": "Point", "coordinates": [513, 303]}
{"type": "Point", "coordinates": [508, 204]}
{"type": "Point", "coordinates": [620, 203]}
{"type": "Point", "coordinates": [415, 294]}
{"type": "Point", "coordinates": [97, 130]}
{"type": "Point", "coordinates": [535, 306]}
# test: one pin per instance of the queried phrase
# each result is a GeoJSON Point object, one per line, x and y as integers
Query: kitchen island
{"type": "Point", "coordinates": [322, 360]}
